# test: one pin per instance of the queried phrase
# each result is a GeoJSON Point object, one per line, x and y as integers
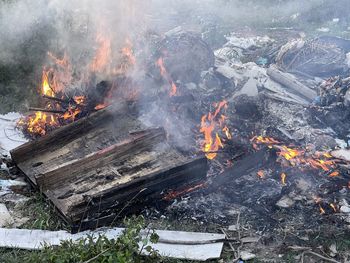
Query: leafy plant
{"type": "Point", "coordinates": [125, 249]}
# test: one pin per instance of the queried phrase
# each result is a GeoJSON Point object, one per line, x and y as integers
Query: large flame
{"type": "Point", "coordinates": [102, 57]}
{"type": "Point", "coordinates": [46, 89]}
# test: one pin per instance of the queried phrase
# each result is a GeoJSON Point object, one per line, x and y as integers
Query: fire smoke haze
{"type": "Point", "coordinates": [73, 25]}
{"type": "Point", "coordinates": [30, 28]}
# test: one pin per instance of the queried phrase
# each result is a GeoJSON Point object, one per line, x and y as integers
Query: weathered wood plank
{"type": "Point", "coordinates": [138, 142]}
{"type": "Point", "coordinates": [64, 134]}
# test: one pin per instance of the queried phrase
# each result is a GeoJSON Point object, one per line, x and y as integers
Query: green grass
{"type": "Point", "coordinates": [41, 215]}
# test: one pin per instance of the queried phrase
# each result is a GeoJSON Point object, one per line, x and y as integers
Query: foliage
{"type": "Point", "coordinates": [125, 249]}
{"type": "Point", "coordinates": [41, 215]}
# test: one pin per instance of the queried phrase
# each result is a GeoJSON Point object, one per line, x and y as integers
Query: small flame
{"type": "Point", "coordinates": [334, 207]}
{"type": "Point", "coordinates": [166, 75]}
{"type": "Point", "coordinates": [334, 174]}
{"type": "Point", "coordinates": [71, 114]}
{"type": "Point", "coordinates": [46, 89]}
{"type": "Point", "coordinates": [80, 100]}
{"type": "Point", "coordinates": [226, 130]}
{"type": "Point", "coordinates": [261, 174]}
{"type": "Point", "coordinates": [289, 153]}
{"type": "Point", "coordinates": [322, 211]}
{"type": "Point", "coordinates": [283, 178]}
{"type": "Point", "coordinates": [100, 106]}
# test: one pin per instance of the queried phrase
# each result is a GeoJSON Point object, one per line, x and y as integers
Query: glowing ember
{"type": "Point", "coordinates": [166, 75]}
{"type": "Point", "coordinates": [175, 194]}
{"type": "Point", "coordinates": [80, 100]}
{"type": "Point", "coordinates": [210, 125]}
{"type": "Point", "coordinates": [334, 174]}
{"type": "Point", "coordinates": [283, 178]}
{"type": "Point", "coordinates": [261, 174]}
{"type": "Point", "coordinates": [100, 106]}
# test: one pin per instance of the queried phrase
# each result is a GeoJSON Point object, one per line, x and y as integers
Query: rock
{"type": "Point", "coordinates": [250, 88]}
{"type": "Point", "coordinates": [302, 184]}
{"type": "Point", "coordinates": [5, 217]}
{"type": "Point", "coordinates": [333, 250]}
{"type": "Point", "coordinates": [285, 202]}
{"type": "Point", "coordinates": [343, 154]}
{"type": "Point", "coordinates": [325, 142]}
{"type": "Point", "coordinates": [246, 255]}
{"type": "Point", "coordinates": [344, 206]}
{"type": "Point", "coordinates": [233, 228]}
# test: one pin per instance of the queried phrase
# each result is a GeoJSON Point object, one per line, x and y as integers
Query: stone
{"type": "Point", "coordinates": [343, 154]}
{"type": "Point", "coordinates": [344, 207]}
{"type": "Point", "coordinates": [333, 250]}
{"type": "Point", "coordinates": [5, 217]}
{"type": "Point", "coordinates": [233, 228]}
{"type": "Point", "coordinates": [302, 184]}
{"type": "Point", "coordinates": [246, 255]}
{"type": "Point", "coordinates": [285, 202]}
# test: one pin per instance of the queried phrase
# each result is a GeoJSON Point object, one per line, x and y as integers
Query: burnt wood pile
{"type": "Point", "coordinates": [92, 168]}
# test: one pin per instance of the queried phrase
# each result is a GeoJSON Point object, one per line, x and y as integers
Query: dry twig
{"type": "Point", "coordinates": [317, 255]}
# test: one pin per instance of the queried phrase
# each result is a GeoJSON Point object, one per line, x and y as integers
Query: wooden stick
{"type": "Point", "coordinates": [56, 99]}
{"type": "Point", "coordinates": [46, 110]}
{"type": "Point", "coordinates": [317, 255]}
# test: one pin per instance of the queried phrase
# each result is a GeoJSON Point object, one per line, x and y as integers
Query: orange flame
{"type": "Point", "coordinates": [102, 57]}
{"type": "Point", "coordinates": [261, 174]}
{"type": "Point", "coordinates": [226, 130]}
{"type": "Point", "coordinates": [166, 75]}
{"type": "Point", "coordinates": [322, 211]}
{"type": "Point", "coordinates": [46, 89]}
{"type": "Point", "coordinates": [283, 178]}
{"type": "Point", "coordinates": [289, 153]}
{"type": "Point", "coordinates": [209, 124]}
{"type": "Point", "coordinates": [80, 100]}
{"type": "Point", "coordinates": [334, 207]}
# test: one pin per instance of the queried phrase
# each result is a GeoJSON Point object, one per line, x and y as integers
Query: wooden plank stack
{"type": "Point", "coordinates": [91, 168]}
